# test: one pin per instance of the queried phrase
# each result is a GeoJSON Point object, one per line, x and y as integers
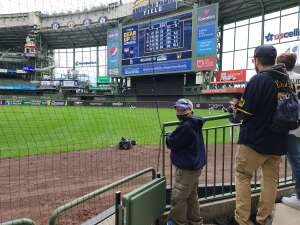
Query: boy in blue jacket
{"type": "Point", "coordinates": [188, 155]}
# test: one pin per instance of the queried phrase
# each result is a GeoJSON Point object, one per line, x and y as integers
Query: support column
{"type": "Point", "coordinates": [97, 63]}
{"type": "Point", "coordinates": [220, 49]}
{"type": "Point", "coordinates": [73, 64]}
{"type": "Point", "coordinates": [262, 29]}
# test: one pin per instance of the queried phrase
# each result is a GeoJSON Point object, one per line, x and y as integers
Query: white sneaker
{"type": "Point", "coordinates": [292, 201]}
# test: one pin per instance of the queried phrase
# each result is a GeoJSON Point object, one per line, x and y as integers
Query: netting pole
{"type": "Point", "coordinates": [163, 150]}
{"type": "Point", "coordinates": [118, 216]}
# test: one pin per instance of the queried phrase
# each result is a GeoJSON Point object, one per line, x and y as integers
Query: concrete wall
{"type": "Point", "coordinates": [45, 21]}
{"type": "Point", "coordinates": [20, 19]}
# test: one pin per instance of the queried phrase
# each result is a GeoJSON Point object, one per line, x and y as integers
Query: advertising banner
{"type": "Point", "coordinates": [103, 79]}
{"type": "Point", "coordinates": [230, 76]}
{"type": "Point", "coordinates": [22, 88]}
{"type": "Point", "coordinates": [142, 8]}
{"type": "Point", "coordinates": [274, 37]}
{"type": "Point", "coordinates": [29, 68]}
{"type": "Point", "coordinates": [83, 103]}
{"type": "Point", "coordinates": [69, 83]}
{"type": "Point", "coordinates": [113, 52]}
{"type": "Point", "coordinates": [58, 103]}
{"type": "Point", "coordinates": [13, 102]}
{"type": "Point", "coordinates": [164, 67]}
{"type": "Point", "coordinates": [206, 63]}
{"type": "Point", "coordinates": [206, 37]}
{"type": "Point", "coordinates": [223, 91]}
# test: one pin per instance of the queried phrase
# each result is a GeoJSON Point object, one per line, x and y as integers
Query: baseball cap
{"type": "Point", "coordinates": [184, 104]}
{"type": "Point", "coordinates": [265, 51]}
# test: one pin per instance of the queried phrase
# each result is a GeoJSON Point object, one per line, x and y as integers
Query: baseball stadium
{"type": "Point", "coordinates": [87, 94]}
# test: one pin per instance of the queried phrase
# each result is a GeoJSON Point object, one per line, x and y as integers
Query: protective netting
{"type": "Point", "coordinates": [50, 155]}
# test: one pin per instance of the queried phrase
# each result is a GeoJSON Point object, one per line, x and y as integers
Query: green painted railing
{"type": "Point", "coordinates": [93, 194]}
{"type": "Point", "coordinates": [23, 221]}
{"type": "Point", "coordinates": [208, 118]}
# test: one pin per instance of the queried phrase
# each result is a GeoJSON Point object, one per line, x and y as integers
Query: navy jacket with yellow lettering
{"type": "Point", "coordinates": [257, 107]}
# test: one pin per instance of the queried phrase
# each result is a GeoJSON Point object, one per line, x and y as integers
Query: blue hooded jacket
{"type": "Point", "coordinates": [186, 144]}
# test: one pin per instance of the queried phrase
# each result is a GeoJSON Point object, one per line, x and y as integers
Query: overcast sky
{"type": "Point", "coordinates": [50, 6]}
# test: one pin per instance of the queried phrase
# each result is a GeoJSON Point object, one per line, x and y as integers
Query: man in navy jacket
{"type": "Point", "coordinates": [258, 145]}
{"type": "Point", "coordinates": [188, 155]}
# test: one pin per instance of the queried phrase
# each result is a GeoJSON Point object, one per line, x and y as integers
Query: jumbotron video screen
{"type": "Point", "coordinates": [152, 46]}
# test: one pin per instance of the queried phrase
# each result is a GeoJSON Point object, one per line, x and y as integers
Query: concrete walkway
{"type": "Point", "coordinates": [108, 221]}
{"type": "Point", "coordinates": [285, 215]}
{"type": "Point", "coordinates": [111, 221]}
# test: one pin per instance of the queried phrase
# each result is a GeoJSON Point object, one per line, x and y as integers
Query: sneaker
{"type": "Point", "coordinates": [169, 222]}
{"type": "Point", "coordinates": [268, 221]}
{"type": "Point", "coordinates": [226, 221]}
{"type": "Point", "coordinates": [292, 201]}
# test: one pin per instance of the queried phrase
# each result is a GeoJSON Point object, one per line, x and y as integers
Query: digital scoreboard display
{"type": "Point", "coordinates": [161, 46]}
{"type": "Point", "coordinates": [162, 37]}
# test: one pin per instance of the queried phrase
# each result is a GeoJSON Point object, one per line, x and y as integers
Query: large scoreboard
{"type": "Point", "coordinates": [158, 46]}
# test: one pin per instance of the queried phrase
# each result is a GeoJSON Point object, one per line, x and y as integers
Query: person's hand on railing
{"type": "Point", "coordinates": [233, 110]}
{"type": "Point", "coordinates": [167, 135]}
{"type": "Point", "coordinates": [233, 104]}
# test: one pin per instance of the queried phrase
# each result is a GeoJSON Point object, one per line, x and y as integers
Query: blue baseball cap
{"type": "Point", "coordinates": [184, 104]}
{"type": "Point", "coordinates": [265, 51]}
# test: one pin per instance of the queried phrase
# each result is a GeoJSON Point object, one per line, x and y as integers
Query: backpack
{"type": "Point", "coordinates": [286, 116]}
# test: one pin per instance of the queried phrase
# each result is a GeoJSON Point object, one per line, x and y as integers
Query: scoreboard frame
{"type": "Point", "coordinates": [189, 62]}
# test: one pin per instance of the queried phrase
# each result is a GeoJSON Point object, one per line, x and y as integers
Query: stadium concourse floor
{"type": "Point", "coordinates": [284, 215]}
{"type": "Point", "coordinates": [111, 221]}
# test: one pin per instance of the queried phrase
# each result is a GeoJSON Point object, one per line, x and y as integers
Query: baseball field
{"type": "Point", "coordinates": [27, 130]}
{"type": "Point", "coordinates": [51, 155]}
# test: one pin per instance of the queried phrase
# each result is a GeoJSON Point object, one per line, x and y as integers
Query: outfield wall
{"type": "Point", "coordinates": [145, 104]}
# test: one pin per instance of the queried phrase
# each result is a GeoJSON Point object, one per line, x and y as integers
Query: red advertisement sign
{"type": "Point", "coordinates": [223, 91]}
{"type": "Point", "coordinates": [230, 76]}
{"type": "Point", "coordinates": [206, 63]}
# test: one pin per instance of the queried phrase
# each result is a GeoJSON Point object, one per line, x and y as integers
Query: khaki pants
{"type": "Point", "coordinates": [247, 161]}
{"type": "Point", "coordinates": [184, 201]}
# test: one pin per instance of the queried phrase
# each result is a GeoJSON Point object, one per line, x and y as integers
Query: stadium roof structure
{"type": "Point", "coordinates": [12, 37]}
{"type": "Point", "coordinates": [235, 10]}
{"type": "Point", "coordinates": [83, 36]}
{"type": "Point", "coordinates": [95, 34]}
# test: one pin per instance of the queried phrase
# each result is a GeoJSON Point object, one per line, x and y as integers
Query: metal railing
{"type": "Point", "coordinates": [217, 179]}
{"type": "Point", "coordinates": [22, 221]}
{"type": "Point", "coordinates": [97, 192]}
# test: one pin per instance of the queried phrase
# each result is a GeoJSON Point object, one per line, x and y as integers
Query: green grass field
{"type": "Point", "coordinates": [30, 130]}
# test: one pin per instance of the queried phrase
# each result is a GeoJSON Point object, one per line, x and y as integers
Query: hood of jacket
{"type": "Point", "coordinates": [279, 71]}
{"type": "Point", "coordinates": [195, 122]}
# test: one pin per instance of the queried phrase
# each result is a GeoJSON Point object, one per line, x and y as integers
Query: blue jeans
{"type": "Point", "coordinates": [294, 159]}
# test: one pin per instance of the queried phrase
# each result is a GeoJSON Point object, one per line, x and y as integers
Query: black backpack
{"type": "Point", "coordinates": [286, 116]}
